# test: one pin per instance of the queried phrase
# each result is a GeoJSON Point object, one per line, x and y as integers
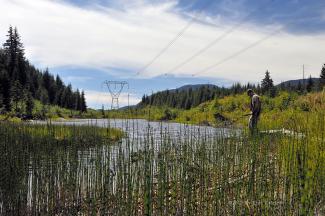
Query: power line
{"type": "Point", "coordinates": [241, 51]}
{"type": "Point", "coordinates": [218, 39]}
{"type": "Point", "coordinates": [178, 35]}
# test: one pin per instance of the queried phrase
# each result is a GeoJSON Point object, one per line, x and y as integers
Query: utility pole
{"type": "Point", "coordinates": [303, 76]}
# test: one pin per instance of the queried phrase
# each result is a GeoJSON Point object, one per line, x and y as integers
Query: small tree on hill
{"type": "Point", "coordinates": [322, 78]}
{"type": "Point", "coordinates": [300, 88]}
{"type": "Point", "coordinates": [310, 84]}
{"type": "Point", "coordinates": [267, 86]}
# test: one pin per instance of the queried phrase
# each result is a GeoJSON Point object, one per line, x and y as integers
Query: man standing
{"type": "Point", "coordinates": [255, 108]}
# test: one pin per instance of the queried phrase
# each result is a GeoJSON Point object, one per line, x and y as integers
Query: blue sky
{"type": "Point", "coordinates": [307, 14]}
{"type": "Point", "coordinates": [87, 42]}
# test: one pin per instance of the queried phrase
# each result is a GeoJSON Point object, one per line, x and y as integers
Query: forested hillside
{"type": "Point", "coordinates": [187, 97]}
{"type": "Point", "coordinates": [21, 83]}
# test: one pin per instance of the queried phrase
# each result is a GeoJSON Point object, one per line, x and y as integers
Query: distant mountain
{"type": "Point", "coordinates": [194, 87]}
{"type": "Point", "coordinates": [294, 83]}
{"type": "Point", "coordinates": [127, 107]}
{"type": "Point", "coordinates": [185, 97]}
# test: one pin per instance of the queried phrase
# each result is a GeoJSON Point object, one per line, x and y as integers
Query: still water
{"type": "Point", "coordinates": [70, 175]}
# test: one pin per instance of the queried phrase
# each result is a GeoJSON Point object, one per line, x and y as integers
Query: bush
{"type": "Point", "coordinates": [168, 115]}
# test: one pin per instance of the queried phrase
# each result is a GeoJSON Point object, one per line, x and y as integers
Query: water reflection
{"type": "Point", "coordinates": [67, 179]}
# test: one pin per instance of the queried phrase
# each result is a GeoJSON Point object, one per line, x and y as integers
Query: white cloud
{"type": "Point", "coordinates": [57, 34]}
{"type": "Point", "coordinates": [96, 99]}
{"type": "Point", "coordinates": [77, 78]}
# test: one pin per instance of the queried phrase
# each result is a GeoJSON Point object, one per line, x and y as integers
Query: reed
{"type": "Point", "coordinates": [73, 170]}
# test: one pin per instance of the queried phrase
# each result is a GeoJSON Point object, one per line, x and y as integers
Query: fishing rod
{"type": "Point", "coordinates": [222, 118]}
{"type": "Point", "coordinates": [242, 116]}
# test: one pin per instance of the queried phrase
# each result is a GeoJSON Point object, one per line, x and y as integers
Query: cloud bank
{"type": "Point", "coordinates": [97, 99]}
{"type": "Point", "coordinates": [57, 34]}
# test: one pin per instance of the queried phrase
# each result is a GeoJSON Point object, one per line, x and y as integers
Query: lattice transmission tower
{"type": "Point", "coordinates": [115, 88]}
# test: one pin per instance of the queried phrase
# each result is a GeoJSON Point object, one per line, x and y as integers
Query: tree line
{"type": "Point", "coordinates": [188, 98]}
{"type": "Point", "coordinates": [21, 83]}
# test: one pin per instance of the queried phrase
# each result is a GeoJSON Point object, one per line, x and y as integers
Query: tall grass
{"type": "Point", "coordinates": [191, 171]}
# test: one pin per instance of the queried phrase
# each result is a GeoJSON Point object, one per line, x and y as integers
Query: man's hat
{"type": "Point", "coordinates": [249, 91]}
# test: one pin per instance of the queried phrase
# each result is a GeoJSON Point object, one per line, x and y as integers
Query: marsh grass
{"type": "Point", "coordinates": [70, 170]}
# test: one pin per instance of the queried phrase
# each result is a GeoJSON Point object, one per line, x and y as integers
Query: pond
{"type": "Point", "coordinates": [158, 168]}
{"type": "Point", "coordinates": [62, 180]}
{"type": "Point", "coordinates": [137, 130]}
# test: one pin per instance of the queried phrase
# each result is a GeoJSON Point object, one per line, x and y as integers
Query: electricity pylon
{"type": "Point", "coordinates": [115, 88]}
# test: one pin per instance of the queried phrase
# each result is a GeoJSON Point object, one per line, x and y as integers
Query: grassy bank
{"type": "Point", "coordinates": [42, 112]}
{"type": "Point", "coordinates": [276, 111]}
{"type": "Point", "coordinates": [34, 134]}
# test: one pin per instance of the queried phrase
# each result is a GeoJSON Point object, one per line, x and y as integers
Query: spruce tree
{"type": "Point", "coordinates": [17, 95]}
{"type": "Point", "coordinates": [83, 102]}
{"type": "Point", "coordinates": [29, 104]}
{"type": "Point", "coordinates": [322, 78]}
{"type": "Point", "coordinates": [78, 101]}
{"type": "Point", "coordinates": [267, 86]}
{"type": "Point", "coordinates": [143, 100]}
{"type": "Point", "coordinates": [14, 50]}
{"type": "Point", "coordinates": [20, 58]}
{"type": "Point", "coordinates": [310, 84]}
{"type": "Point", "coordinates": [43, 95]}
{"type": "Point", "coordinates": [50, 85]}
{"type": "Point", "coordinates": [10, 51]}
{"type": "Point", "coordinates": [5, 90]}
{"type": "Point", "coordinates": [103, 111]}
{"type": "Point", "coordinates": [300, 88]}
{"type": "Point", "coordinates": [1, 103]}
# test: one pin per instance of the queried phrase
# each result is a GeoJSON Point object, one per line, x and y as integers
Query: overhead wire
{"type": "Point", "coordinates": [178, 35]}
{"type": "Point", "coordinates": [218, 39]}
{"type": "Point", "coordinates": [243, 50]}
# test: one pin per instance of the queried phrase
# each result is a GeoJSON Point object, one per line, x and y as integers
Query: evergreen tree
{"type": "Point", "coordinates": [67, 97]}
{"type": "Point", "coordinates": [43, 95]}
{"type": "Point", "coordinates": [300, 88]}
{"type": "Point", "coordinates": [5, 90]}
{"type": "Point", "coordinates": [267, 86]}
{"type": "Point", "coordinates": [78, 101]}
{"type": "Point", "coordinates": [17, 95]}
{"type": "Point", "coordinates": [143, 100]}
{"type": "Point", "coordinates": [14, 50]}
{"type": "Point", "coordinates": [10, 51]}
{"type": "Point", "coordinates": [1, 104]}
{"type": "Point", "coordinates": [59, 90]}
{"type": "Point", "coordinates": [258, 89]}
{"type": "Point", "coordinates": [20, 58]}
{"type": "Point", "coordinates": [50, 85]}
{"type": "Point", "coordinates": [29, 104]}
{"type": "Point", "coordinates": [103, 111]}
{"type": "Point", "coordinates": [310, 84]}
{"type": "Point", "coordinates": [322, 78]}
{"type": "Point", "coordinates": [83, 102]}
